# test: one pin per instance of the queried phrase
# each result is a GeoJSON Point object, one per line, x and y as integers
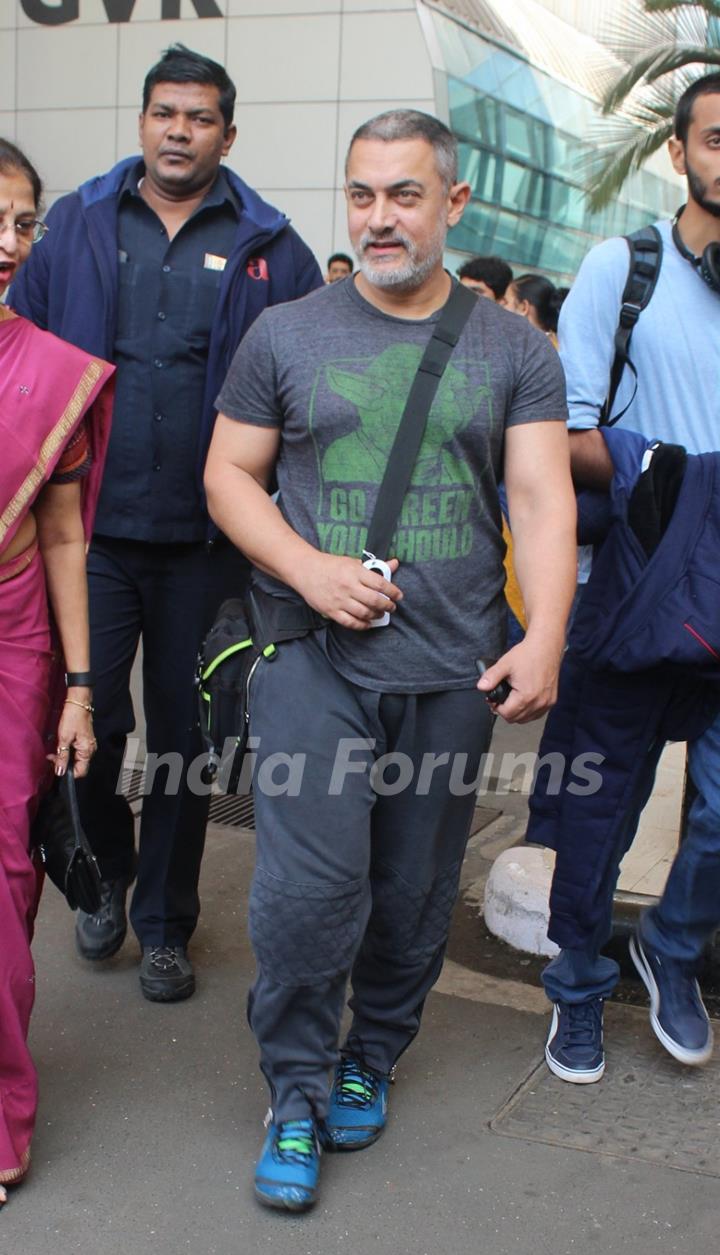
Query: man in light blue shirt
{"type": "Point", "coordinates": [676, 398]}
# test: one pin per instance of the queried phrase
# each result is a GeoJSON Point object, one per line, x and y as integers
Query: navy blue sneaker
{"type": "Point", "coordinates": [574, 1049]}
{"type": "Point", "coordinates": [358, 1107]}
{"type": "Point", "coordinates": [677, 1015]}
{"type": "Point", "coordinates": [288, 1169]}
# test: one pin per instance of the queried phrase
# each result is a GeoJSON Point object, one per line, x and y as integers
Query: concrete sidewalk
{"type": "Point", "coordinates": [151, 1115]}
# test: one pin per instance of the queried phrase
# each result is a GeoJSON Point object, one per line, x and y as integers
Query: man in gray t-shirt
{"type": "Point", "coordinates": [369, 739]}
{"type": "Point", "coordinates": [332, 374]}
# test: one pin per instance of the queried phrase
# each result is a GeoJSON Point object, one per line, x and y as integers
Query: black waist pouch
{"type": "Point", "coordinates": [244, 636]}
{"type": "Point", "coordinates": [226, 665]}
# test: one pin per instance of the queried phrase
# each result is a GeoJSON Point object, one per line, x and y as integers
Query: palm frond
{"type": "Point", "coordinates": [621, 156]}
{"type": "Point", "coordinates": [653, 65]}
{"type": "Point", "coordinates": [680, 57]}
{"type": "Point", "coordinates": [640, 30]}
{"type": "Point", "coordinates": [664, 46]}
{"type": "Point", "coordinates": [630, 77]}
{"type": "Point", "coordinates": [711, 7]}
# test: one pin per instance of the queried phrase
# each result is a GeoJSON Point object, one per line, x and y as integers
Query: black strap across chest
{"type": "Point", "coordinates": [410, 432]}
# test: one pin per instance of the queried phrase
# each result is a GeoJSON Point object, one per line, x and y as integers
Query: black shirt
{"type": "Point", "coordinates": [166, 301]}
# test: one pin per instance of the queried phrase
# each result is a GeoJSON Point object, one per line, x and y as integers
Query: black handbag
{"type": "Point", "coordinates": [58, 836]}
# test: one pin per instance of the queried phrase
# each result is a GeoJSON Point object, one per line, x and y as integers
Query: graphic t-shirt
{"type": "Point", "coordinates": [333, 373]}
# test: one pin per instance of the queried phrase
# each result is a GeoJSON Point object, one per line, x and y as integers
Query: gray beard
{"type": "Point", "coordinates": [402, 278]}
{"type": "Point", "coordinates": [405, 278]}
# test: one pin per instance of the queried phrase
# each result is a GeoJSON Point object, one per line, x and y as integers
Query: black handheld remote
{"type": "Point", "coordinates": [502, 691]}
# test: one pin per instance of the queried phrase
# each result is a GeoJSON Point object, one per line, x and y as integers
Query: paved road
{"type": "Point", "coordinates": [151, 1118]}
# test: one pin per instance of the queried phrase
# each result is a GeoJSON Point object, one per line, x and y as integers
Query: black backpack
{"type": "Point", "coordinates": [646, 250]}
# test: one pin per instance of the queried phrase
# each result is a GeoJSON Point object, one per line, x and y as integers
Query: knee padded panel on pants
{"type": "Point", "coordinates": [305, 934]}
{"type": "Point", "coordinates": [410, 922]}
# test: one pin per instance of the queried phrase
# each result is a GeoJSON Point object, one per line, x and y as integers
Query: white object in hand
{"type": "Point", "coordinates": [376, 564]}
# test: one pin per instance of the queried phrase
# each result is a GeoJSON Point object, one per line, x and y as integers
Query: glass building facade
{"type": "Point", "coordinates": [525, 139]}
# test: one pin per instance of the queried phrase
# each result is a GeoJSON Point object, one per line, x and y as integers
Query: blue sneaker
{"type": "Point", "coordinates": [574, 1049]}
{"type": "Point", "coordinates": [288, 1169]}
{"type": "Point", "coordinates": [358, 1107]}
{"type": "Point", "coordinates": [677, 1015]}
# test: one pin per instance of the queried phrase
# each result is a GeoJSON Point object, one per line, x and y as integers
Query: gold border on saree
{"type": "Point", "coordinates": [21, 561]}
{"type": "Point", "coordinates": [50, 445]}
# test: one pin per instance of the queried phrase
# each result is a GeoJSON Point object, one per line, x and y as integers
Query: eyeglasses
{"type": "Point", "coordinates": [29, 230]}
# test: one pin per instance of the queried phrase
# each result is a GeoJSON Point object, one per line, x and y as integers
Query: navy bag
{"type": "Point", "coordinates": [641, 611]}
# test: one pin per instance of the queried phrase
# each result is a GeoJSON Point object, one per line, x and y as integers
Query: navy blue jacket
{"type": "Point", "coordinates": [635, 611]}
{"type": "Point", "coordinates": [69, 284]}
{"type": "Point", "coordinates": [661, 608]}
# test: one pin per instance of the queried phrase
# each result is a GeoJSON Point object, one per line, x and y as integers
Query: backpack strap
{"type": "Point", "coordinates": [646, 250]}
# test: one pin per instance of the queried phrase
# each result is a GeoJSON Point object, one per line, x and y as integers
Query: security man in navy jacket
{"type": "Point", "coordinates": [160, 265]}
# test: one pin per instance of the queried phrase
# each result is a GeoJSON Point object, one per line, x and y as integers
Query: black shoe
{"type": "Point", "coordinates": [166, 974]}
{"type": "Point", "coordinates": [101, 935]}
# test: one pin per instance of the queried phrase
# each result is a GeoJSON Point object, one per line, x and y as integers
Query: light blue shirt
{"type": "Point", "coordinates": [675, 348]}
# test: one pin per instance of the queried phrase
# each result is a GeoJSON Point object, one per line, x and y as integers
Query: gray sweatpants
{"type": "Point", "coordinates": [352, 878]}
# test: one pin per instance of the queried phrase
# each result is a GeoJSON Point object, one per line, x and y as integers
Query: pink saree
{"type": "Point", "coordinates": [46, 387]}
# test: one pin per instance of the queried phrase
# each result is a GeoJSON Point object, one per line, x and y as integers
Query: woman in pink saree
{"type": "Point", "coordinates": [54, 421]}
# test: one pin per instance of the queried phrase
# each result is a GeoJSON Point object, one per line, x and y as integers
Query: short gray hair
{"type": "Point", "coordinates": [412, 124]}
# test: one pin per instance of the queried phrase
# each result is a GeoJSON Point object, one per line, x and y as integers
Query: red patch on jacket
{"type": "Point", "coordinates": [257, 268]}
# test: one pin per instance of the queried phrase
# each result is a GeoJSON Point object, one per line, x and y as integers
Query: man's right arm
{"type": "Point", "coordinates": [590, 461]}
{"type": "Point", "coordinates": [238, 470]}
{"type": "Point", "coordinates": [586, 332]}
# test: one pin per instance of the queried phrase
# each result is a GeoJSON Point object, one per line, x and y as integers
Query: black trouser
{"type": "Point", "coordinates": [168, 595]}
{"type": "Point", "coordinates": [351, 881]}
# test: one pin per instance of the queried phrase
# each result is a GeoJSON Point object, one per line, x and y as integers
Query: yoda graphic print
{"type": "Point", "coordinates": [435, 522]}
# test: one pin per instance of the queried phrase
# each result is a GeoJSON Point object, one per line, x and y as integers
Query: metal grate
{"type": "Point", "coordinates": [226, 809]}
{"type": "Point", "coordinates": [238, 811]}
{"type": "Point", "coordinates": [646, 1107]}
